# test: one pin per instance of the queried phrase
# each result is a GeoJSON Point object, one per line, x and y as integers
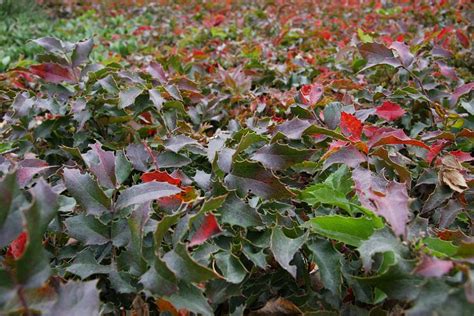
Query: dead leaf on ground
{"type": "Point", "coordinates": [279, 306]}
{"type": "Point", "coordinates": [450, 174]}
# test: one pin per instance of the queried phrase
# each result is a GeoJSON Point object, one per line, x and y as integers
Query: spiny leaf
{"type": "Point", "coordinates": [284, 249]}
{"type": "Point", "coordinates": [145, 192]}
{"type": "Point", "coordinates": [250, 177]}
{"type": "Point", "coordinates": [86, 191]}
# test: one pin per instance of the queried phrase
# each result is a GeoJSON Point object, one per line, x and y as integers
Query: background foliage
{"type": "Point", "coordinates": [237, 158]}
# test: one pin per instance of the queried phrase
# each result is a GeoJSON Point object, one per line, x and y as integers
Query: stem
{"type": "Point", "coordinates": [420, 84]}
{"type": "Point", "coordinates": [24, 304]}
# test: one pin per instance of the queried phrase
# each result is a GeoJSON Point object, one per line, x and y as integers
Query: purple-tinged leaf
{"type": "Point", "coordinates": [81, 52]}
{"type": "Point", "coordinates": [28, 168]}
{"type": "Point", "coordinates": [138, 156]}
{"type": "Point", "coordinates": [447, 71]}
{"type": "Point", "coordinates": [51, 44]}
{"type": "Point", "coordinates": [459, 92]}
{"type": "Point", "coordinates": [87, 229]}
{"type": "Point", "coordinates": [430, 267]}
{"type": "Point", "coordinates": [145, 192]}
{"type": "Point", "coordinates": [178, 142]}
{"type": "Point", "coordinates": [173, 92]}
{"type": "Point", "coordinates": [279, 157]}
{"type": "Point", "coordinates": [157, 72]}
{"type": "Point", "coordinates": [386, 198]}
{"type": "Point", "coordinates": [348, 155]}
{"type": "Point", "coordinates": [102, 165]}
{"type": "Point", "coordinates": [293, 129]}
{"type": "Point", "coordinates": [156, 98]}
{"type": "Point", "coordinates": [250, 177]}
{"type": "Point", "coordinates": [404, 54]}
{"type": "Point", "coordinates": [447, 214]}
{"type": "Point", "coordinates": [377, 54]}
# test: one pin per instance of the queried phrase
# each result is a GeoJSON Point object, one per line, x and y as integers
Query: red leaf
{"type": "Point", "coordinates": [435, 149]}
{"type": "Point", "coordinates": [208, 228]}
{"type": "Point", "coordinates": [311, 93]}
{"type": "Point", "coordinates": [17, 247]}
{"type": "Point", "coordinates": [462, 156]}
{"type": "Point", "coordinates": [53, 73]}
{"type": "Point", "coordinates": [433, 267]}
{"type": "Point", "coordinates": [351, 126]}
{"type": "Point", "coordinates": [160, 176]}
{"type": "Point", "coordinates": [390, 111]}
{"type": "Point", "coordinates": [389, 136]}
{"type": "Point", "coordinates": [463, 39]}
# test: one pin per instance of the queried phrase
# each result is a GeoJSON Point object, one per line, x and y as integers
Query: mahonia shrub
{"type": "Point", "coordinates": [250, 158]}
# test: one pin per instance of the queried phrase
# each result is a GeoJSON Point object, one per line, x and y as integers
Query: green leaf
{"type": "Point", "coordinates": [258, 257]}
{"type": "Point", "coordinates": [230, 266]}
{"type": "Point", "coordinates": [284, 248]}
{"type": "Point", "coordinates": [191, 298]}
{"type": "Point", "coordinates": [123, 167]}
{"type": "Point", "coordinates": [86, 192]}
{"type": "Point", "coordinates": [364, 37]}
{"type": "Point", "coordinates": [86, 265]}
{"type": "Point", "coordinates": [162, 228]}
{"type": "Point", "coordinates": [440, 248]}
{"type": "Point", "coordinates": [128, 97]}
{"type": "Point", "coordinates": [11, 204]}
{"type": "Point", "coordinates": [185, 268]}
{"type": "Point", "coordinates": [87, 229]}
{"type": "Point", "coordinates": [434, 293]}
{"type": "Point", "coordinates": [329, 263]}
{"type": "Point", "coordinates": [250, 177]}
{"type": "Point", "coordinates": [237, 212]}
{"type": "Point", "coordinates": [340, 180]}
{"type": "Point", "coordinates": [136, 226]}
{"type": "Point", "coordinates": [248, 139]}
{"type": "Point", "coordinates": [349, 230]}
{"type": "Point", "coordinates": [32, 268]}
{"type": "Point", "coordinates": [145, 192]}
{"type": "Point", "coordinates": [324, 194]}
{"type": "Point", "coordinates": [381, 241]}
{"type": "Point", "coordinates": [159, 280]}
{"type": "Point", "coordinates": [397, 281]}
{"type": "Point", "coordinates": [9, 190]}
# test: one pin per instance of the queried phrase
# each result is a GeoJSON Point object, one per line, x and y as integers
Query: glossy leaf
{"type": "Point", "coordinates": [86, 192]}
{"type": "Point", "coordinates": [351, 231]}
{"type": "Point", "coordinates": [284, 248]}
